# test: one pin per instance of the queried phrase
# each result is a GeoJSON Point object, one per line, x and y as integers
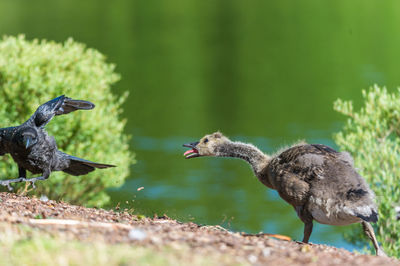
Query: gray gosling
{"type": "Point", "coordinates": [320, 183]}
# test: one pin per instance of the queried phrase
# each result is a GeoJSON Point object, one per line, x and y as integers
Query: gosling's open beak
{"type": "Point", "coordinates": [193, 152]}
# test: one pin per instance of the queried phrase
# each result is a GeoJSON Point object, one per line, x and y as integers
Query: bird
{"type": "Point", "coordinates": [34, 150]}
{"type": "Point", "coordinates": [319, 182]}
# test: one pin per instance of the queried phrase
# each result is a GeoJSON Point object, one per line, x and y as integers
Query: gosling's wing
{"type": "Point", "coordinates": [320, 171]}
{"type": "Point", "coordinates": [310, 161]}
{"type": "Point", "coordinates": [307, 155]}
{"type": "Point", "coordinates": [293, 171]}
{"type": "Point", "coordinates": [58, 106]}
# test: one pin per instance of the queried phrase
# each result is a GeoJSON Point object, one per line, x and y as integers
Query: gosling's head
{"type": "Point", "coordinates": [206, 146]}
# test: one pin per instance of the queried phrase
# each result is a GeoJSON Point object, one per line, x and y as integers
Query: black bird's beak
{"type": "Point", "coordinates": [193, 152]}
{"type": "Point", "coordinates": [28, 142]}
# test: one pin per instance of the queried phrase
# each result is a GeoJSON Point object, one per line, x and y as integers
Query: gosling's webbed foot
{"type": "Point", "coordinates": [381, 253]}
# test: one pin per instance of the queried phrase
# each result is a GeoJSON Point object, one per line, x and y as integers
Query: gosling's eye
{"type": "Point", "coordinates": [205, 140]}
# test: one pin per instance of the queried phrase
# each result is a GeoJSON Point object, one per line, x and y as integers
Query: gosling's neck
{"type": "Point", "coordinates": [248, 152]}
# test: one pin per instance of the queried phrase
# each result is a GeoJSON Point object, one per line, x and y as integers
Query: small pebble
{"type": "Point", "coordinates": [252, 258]}
{"type": "Point", "coordinates": [44, 198]}
{"type": "Point", "coordinates": [266, 252]}
{"type": "Point", "coordinates": [137, 234]}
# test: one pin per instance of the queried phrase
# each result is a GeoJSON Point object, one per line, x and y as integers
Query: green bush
{"type": "Point", "coordinates": [372, 136]}
{"type": "Point", "coordinates": [33, 72]}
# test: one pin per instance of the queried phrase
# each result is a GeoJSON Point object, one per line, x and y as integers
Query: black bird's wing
{"type": "Point", "coordinates": [79, 166]}
{"type": "Point", "coordinates": [58, 106]}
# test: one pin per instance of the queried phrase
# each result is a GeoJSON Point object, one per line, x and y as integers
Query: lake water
{"type": "Point", "coordinates": [265, 72]}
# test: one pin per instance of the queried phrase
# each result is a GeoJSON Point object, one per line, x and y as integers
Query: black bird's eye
{"type": "Point", "coordinates": [205, 140]}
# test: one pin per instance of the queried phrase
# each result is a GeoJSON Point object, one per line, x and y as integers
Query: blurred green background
{"type": "Point", "coordinates": [266, 72]}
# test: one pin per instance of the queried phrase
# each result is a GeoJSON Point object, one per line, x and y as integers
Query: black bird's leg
{"type": "Point", "coordinates": [22, 176]}
{"type": "Point", "coordinates": [22, 173]}
{"type": "Point", "coordinates": [45, 175]}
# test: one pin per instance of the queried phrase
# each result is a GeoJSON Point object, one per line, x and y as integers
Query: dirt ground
{"type": "Point", "coordinates": [89, 224]}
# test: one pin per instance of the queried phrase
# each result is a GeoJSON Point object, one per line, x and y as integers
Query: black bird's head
{"type": "Point", "coordinates": [27, 138]}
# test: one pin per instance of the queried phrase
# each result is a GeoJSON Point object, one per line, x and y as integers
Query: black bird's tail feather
{"type": "Point", "coordinates": [80, 166]}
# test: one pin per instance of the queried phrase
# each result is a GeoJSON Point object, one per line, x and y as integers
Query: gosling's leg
{"type": "Point", "coordinates": [369, 232]}
{"type": "Point", "coordinates": [307, 231]}
{"type": "Point", "coordinates": [307, 219]}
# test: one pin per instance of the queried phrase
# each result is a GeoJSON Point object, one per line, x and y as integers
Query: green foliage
{"type": "Point", "coordinates": [33, 72]}
{"type": "Point", "coordinates": [372, 136]}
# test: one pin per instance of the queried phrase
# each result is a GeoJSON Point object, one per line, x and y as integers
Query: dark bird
{"type": "Point", "coordinates": [319, 182]}
{"type": "Point", "coordinates": [34, 150]}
